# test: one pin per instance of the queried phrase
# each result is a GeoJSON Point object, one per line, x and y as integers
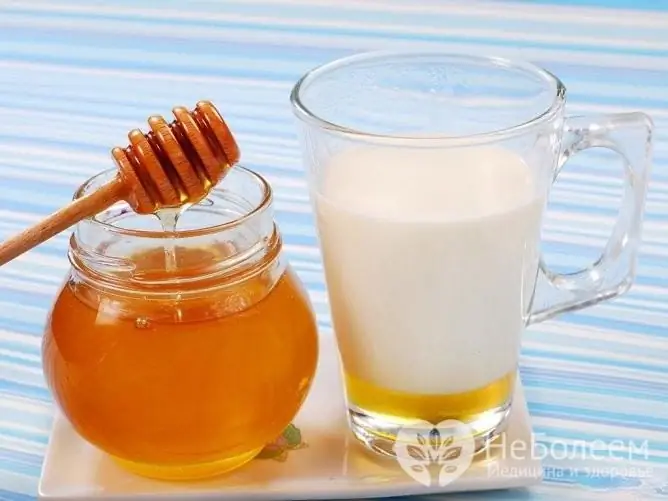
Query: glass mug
{"type": "Point", "coordinates": [181, 354]}
{"type": "Point", "coordinates": [429, 174]}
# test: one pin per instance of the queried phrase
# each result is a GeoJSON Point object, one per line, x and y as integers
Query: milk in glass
{"type": "Point", "coordinates": [431, 258]}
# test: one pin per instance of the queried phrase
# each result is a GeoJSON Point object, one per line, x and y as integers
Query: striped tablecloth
{"type": "Point", "coordinates": [76, 75]}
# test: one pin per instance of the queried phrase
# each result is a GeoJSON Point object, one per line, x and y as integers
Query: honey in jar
{"type": "Point", "coordinates": [182, 354]}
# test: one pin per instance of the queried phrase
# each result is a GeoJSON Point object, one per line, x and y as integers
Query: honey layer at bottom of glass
{"type": "Point", "coordinates": [403, 408]}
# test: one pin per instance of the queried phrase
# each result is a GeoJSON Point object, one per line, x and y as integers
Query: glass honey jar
{"type": "Point", "coordinates": [181, 353]}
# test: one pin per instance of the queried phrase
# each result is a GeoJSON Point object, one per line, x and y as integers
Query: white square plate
{"type": "Point", "coordinates": [332, 465]}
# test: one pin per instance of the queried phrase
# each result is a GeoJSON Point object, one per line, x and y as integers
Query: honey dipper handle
{"type": "Point", "coordinates": [69, 215]}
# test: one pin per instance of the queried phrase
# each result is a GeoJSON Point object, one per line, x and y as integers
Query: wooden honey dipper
{"type": "Point", "coordinates": [172, 165]}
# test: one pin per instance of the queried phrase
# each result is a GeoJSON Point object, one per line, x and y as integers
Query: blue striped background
{"type": "Point", "coordinates": [76, 75]}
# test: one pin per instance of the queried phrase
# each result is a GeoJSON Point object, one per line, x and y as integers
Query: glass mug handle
{"type": "Point", "coordinates": [612, 274]}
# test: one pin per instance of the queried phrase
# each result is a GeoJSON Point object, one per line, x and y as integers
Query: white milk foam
{"type": "Point", "coordinates": [430, 260]}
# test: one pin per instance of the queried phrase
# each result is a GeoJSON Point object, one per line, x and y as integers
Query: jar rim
{"type": "Point", "coordinates": [261, 206]}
